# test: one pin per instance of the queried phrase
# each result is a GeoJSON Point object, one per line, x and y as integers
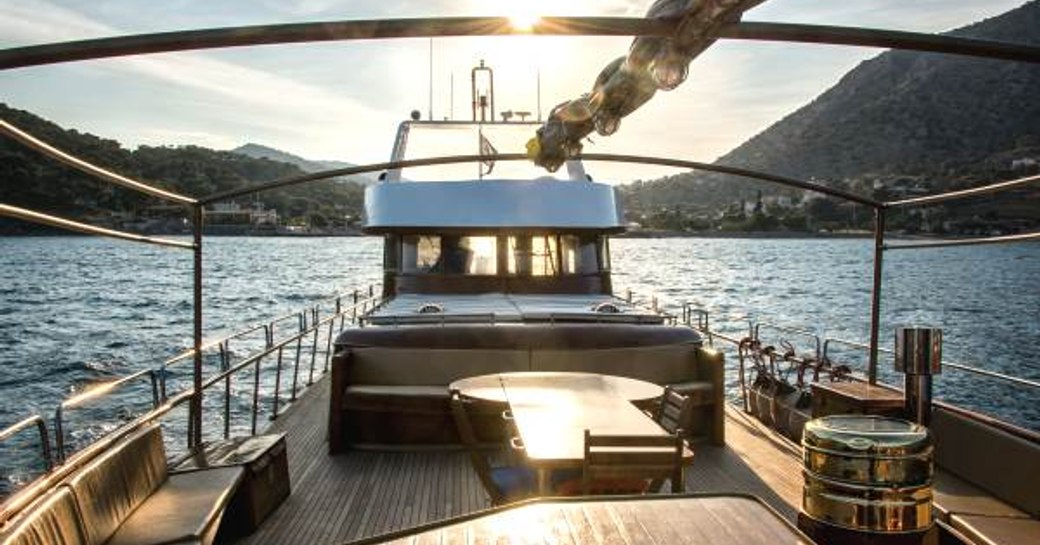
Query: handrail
{"type": "Point", "coordinates": [964, 193]}
{"type": "Point", "coordinates": [62, 223]}
{"type": "Point", "coordinates": [1004, 239]}
{"type": "Point", "coordinates": [873, 37]}
{"type": "Point", "coordinates": [824, 354]}
{"type": "Point", "coordinates": [23, 497]}
{"type": "Point", "coordinates": [41, 430]}
{"type": "Point", "coordinates": [951, 364]}
{"type": "Point", "coordinates": [254, 361]}
{"type": "Point", "coordinates": [79, 50]}
{"type": "Point", "coordinates": [57, 457]}
{"type": "Point", "coordinates": [46, 149]}
{"type": "Point", "coordinates": [91, 394]}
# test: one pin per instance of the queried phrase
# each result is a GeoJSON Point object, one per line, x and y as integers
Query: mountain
{"type": "Point", "coordinates": [941, 118]}
{"type": "Point", "coordinates": [258, 151]}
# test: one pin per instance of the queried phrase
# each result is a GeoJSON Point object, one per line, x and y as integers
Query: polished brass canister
{"type": "Point", "coordinates": [868, 473]}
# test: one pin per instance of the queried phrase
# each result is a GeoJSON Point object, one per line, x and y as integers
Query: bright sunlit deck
{"type": "Point", "coordinates": [351, 496]}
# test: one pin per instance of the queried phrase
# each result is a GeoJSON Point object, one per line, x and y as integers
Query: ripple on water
{"type": "Point", "coordinates": [116, 314]}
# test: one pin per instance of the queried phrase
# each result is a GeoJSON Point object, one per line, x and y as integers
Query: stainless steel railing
{"type": "Point", "coordinates": [700, 319]}
{"type": "Point", "coordinates": [40, 424]}
{"type": "Point", "coordinates": [327, 317]}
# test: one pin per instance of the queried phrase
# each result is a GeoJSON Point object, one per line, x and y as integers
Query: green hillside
{"type": "Point", "coordinates": [30, 180]}
{"type": "Point", "coordinates": [897, 123]}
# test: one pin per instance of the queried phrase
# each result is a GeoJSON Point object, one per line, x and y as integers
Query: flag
{"type": "Point", "coordinates": [486, 150]}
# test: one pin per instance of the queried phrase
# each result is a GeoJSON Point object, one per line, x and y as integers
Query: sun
{"type": "Point", "coordinates": [524, 14]}
{"type": "Point", "coordinates": [523, 22]}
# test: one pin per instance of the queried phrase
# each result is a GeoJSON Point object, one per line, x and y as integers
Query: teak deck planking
{"type": "Point", "coordinates": [718, 520]}
{"type": "Point", "coordinates": [336, 499]}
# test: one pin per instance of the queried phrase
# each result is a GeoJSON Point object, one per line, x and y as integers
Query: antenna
{"type": "Point", "coordinates": [539, 92]}
{"type": "Point", "coordinates": [430, 111]}
{"type": "Point", "coordinates": [481, 101]}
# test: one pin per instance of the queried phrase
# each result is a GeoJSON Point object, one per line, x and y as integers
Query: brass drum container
{"type": "Point", "coordinates": [868, 473]}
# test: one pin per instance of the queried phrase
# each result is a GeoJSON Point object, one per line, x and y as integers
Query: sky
{"type": "Point", "coordinates": [344, 100]}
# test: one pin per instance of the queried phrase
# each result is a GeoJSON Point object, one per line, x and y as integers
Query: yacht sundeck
{"type": "Point", "coordinates": [511, 278]}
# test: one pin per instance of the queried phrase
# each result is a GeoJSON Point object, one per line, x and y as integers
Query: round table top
{"type": "Point", "coordinates": [493, 387]}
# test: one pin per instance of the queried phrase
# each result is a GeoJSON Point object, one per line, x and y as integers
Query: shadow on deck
{"type": "Point", "coordinates": [342, 498]}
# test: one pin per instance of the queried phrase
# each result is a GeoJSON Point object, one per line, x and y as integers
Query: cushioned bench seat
{"type": "Point", "coordinates": [389, 384]}
{"type": "Point", "coordinates": [129, 484]}
{"type": "Point", "coordinates": [124, 496]}
{"type": "Point", "coordinates": [186, 509]}
{"type": "Point", "coordinates": [953, 495]}
{"type": "Point", "coordinates": [988, 483]}
{"type": "Point", "coordinates": [52, 521]}
{"type": "Point", "coordinates": [983, 530]}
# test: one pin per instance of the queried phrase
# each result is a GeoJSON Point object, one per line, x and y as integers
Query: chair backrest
{"type": "Point", "coordinates": [469, 440]}
{"type": "Point", "coordinates": [673, 411]}
{"type": "Point", "coordinates": [627, 459]}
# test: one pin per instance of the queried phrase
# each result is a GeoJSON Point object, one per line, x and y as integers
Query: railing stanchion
{"type": "Point", "coordinates": [256, 395]}
{"type": "Point", "coordinates": [328, 346]}
{"type": "Point", "coordinates": [277, 385]}
{"type": "Point", "coordinates": [225, 364]}
{"type": "Point", "coordinates": [296, 368]}
{"type": "Point", "coordinates": [59, 436]}
{"type": "Point", "coordinates": [314, 352]}
{"type": "Point", "coordinates": [195, 406]}
{"type": "Point", "coordinates": [875, 298]}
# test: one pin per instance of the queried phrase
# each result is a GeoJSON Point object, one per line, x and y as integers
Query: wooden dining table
{"type": "Point", "coordinates": [552, 410]}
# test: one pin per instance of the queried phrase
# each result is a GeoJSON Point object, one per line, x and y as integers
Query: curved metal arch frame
{"type": "Point", "coordinates": [164, 42]}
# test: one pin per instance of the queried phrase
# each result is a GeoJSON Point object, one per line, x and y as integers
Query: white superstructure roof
{"type": "Point", "coordinates": [492, 204]}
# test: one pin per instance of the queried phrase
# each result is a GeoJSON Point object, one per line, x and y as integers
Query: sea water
{"type": "Point", "coordinates": [80, 311]}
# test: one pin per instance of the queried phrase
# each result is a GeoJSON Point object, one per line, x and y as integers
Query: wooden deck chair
{"type": "Point", "coordinates": [674, 410]}
{"type": "Point", "coordinates": [504, 484]}
{"type": "Point", "coordinates": [628, 464]}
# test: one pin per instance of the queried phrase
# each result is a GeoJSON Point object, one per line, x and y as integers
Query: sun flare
{"type": "Point", "coordinates": [524, 14]}
{"type": "Point", "coordinates": [523, 22]}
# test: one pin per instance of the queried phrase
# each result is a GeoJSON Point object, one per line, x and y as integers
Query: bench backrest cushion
{"type": "Point", "coordinates": [429, 367]}
{"type": "Point", "coordinates": [1005, 465]}
{"type": "Point", "coordinates": [658, 364]}
{"type": "Point", "coordinates": [115, 483]}
{"type": "Point", "coordinates": [52, 522]}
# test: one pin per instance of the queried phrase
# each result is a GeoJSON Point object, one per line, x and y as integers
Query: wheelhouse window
{"type": "Point", "coordinates": [447, 254]}
{"type": "Point", "coordinates": [523, 255]}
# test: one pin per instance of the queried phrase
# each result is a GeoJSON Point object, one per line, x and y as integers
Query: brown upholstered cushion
{"type": "Point", "coordinates": [436, 392]}
{"type": "Point", "coordinates": [52, 521]}
{"type": "Point", "coordinates": [998, 530]}
{"type": "Point", "coordinates": [961, 443]}
{"type": "Point", "coordinates": [424, 367]}
{"type": "Point", "coordinates": [953, 495]}
{"type": "Point", "coordinates": [186, 509]}
{"type": "Point", "coordinates": [114, 484]}
{"type": "Point", "coordinates": [658, 364]}
{"type": "Point", "coordinates": [519, 336]}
